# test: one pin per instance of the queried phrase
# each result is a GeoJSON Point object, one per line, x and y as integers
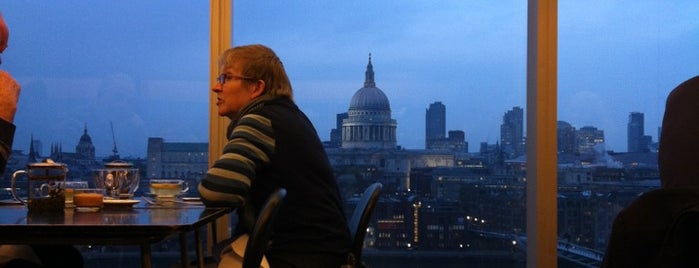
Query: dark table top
{"type": "Point", "coordinates": [138, 225]}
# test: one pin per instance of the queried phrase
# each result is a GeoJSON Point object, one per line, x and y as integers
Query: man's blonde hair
{"type": "Point", "coordinates": [260, 63]}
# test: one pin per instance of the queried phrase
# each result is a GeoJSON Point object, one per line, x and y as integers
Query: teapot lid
{"type": "Point", "coordinates": [46, 163]}
{"type": "Point", "coordinates": [118, 164]}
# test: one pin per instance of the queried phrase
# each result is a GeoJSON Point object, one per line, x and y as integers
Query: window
{"type": "Point", "coordinates": [471, 57]}
{"type": "Point", "coordinates": [111, 74]}
{"type": "Point", "coordinates": [123, 72]}
{"type": "Point", "coordinates": [614, 76]}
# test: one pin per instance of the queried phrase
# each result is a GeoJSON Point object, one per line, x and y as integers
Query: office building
{"type": "Point", "coordinates": [177, 160]}
{"type": "Point", "coordinates": [565, 134]}
{"type": "Point", "coordinates": [637, 141]}
{"type": "Point", "coordinates": [512, 133]}
{"type": "Point", "coordinates": [435, 124]}
{"type": "Point", "coordinates": [588, 139]}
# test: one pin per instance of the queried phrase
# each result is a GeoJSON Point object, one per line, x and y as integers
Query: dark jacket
{"type": "Point", "coordinates": [7, 133]}
{"type": "Point", "coordinates": [287, 154]}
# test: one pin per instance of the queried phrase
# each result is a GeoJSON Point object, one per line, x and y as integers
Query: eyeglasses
{"type": "Point", "coordinates": [223, 78]}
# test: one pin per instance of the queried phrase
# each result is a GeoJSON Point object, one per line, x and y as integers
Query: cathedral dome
{"type": "Point", "coordinates": [370, 98]}
{"type": "Point", "coordinates": [85, 149]}
{"type": "Point", "coordinates": [85, 138]}
{"type": "Point", "coordinates": [369, 124]}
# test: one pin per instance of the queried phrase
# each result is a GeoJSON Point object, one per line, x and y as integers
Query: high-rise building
{"type": "Point", "coordinates": [637, 141]}
{"type": "Point", "coordinates": [336, 133]}
{"type": "Point", "coordinates": [565, 134]}
{"type": "Point", "coordinates": [457, 140]}
{"type": "Point", "coordinates": [435, 124]}
{"type": "Point", "coordinates": [512, 133]}
{"type": "Point", "coordinates": [369, 124]}
{"type": "Point", "coordinates": [587, 139]}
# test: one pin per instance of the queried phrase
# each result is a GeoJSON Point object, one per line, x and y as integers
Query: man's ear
{"type": "Point", "coordinates": [259, 89]}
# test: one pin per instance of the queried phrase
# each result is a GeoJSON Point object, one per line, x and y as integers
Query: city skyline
{"type": "Point", "coordinates": [83, 63]}
{"type": "Point", "coordinates": [473, 148]}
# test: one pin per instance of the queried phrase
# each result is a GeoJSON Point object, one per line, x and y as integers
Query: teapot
{"type": "Point", "coordinates": [45, 186]}
{"type": "Point", "coordinates": [119, 179]}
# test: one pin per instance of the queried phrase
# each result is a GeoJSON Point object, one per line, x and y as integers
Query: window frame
{"type": "Point", "coordinates": [542, 113]}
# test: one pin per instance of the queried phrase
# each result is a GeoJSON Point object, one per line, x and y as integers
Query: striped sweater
{"type": "Point", "coordinates": [272, 145]}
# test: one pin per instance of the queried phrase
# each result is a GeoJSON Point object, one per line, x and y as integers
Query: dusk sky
{"type": "Point", "coordinates": [143, 65]}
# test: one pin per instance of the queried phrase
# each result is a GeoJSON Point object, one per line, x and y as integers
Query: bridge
{"type": "Point", "coordinates": [585, 257]}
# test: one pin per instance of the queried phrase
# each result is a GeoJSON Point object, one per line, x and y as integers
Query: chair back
{"type": "Point", "coordinates": [262, 230]}
{"type": "Point", "coordinates": [360, 219]}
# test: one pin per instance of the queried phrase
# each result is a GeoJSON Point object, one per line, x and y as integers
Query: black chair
{"type": "Point", "coordinates": [262, 230]}
{"type": "Point", "coordinates": [359, 222]}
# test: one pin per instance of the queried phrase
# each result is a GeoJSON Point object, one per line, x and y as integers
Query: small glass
{"type": "Point", "coordinates": [88, 199]}
{"type": "Point", "coordinates": [69, 191]}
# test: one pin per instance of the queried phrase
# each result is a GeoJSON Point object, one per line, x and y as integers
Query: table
{"type": "Point", "coordinates": [141, 225]}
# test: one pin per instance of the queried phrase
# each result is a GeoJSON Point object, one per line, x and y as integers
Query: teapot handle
{"type": "Point", "coordinates": [186, 187]}
{"type": "Point", "coordinates": [14, 188]}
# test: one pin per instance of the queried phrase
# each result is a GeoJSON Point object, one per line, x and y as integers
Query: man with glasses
{"type": "Point", "coordinates": [23, 255]}
{"type": "Point", "coordinates": [10, 255]}
{"type": "Point", "coordinates": [272, 145]}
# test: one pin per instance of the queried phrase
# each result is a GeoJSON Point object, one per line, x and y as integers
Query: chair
{"type": "Point", "coordinates": [359, 222]}
{"type": "Point", "coordinates": [262, 230]}
{"type": "Point", "coordinates": [258, 241]}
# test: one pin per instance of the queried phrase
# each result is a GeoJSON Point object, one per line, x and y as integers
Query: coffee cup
{"type": "Point", "coordinates": [88, 199]}
{"type": "Point", "coordinates": [161, 188]}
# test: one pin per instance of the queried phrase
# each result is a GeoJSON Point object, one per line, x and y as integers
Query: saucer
{"type": "Point", "coordinates": [165, 197]}
{"type": "Point", "coordinates": [120, 203]}
{"type": "Point", "coordinates": [9, 202]}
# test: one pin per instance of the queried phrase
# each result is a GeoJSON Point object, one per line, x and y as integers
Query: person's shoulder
{"type": "Point", "coordinates": [665, 200]}
{"type": "Point", "coordinates": [276, 107]}
{"type": "Point", "coordinates": [7, 131]}
{"type": "Point", "coordinates": [672, 193]}
{"type": "Point", "coordinates": [6, 125]}
{"type": "Point", "coordinates": [280, 102]}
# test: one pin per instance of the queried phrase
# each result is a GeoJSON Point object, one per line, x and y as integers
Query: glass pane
{"type": "Point", "coordinates": [618, 60]}
{"type": "Point", "coordinates": [459, 64]}
{"type": "Point", "coordinates": [100, 78]}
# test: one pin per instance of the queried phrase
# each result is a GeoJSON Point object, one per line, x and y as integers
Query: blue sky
{"type": "Point", "coordinates": [144, 64]}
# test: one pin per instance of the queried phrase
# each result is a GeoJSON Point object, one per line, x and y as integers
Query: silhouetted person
{"type": "Point", "coordinates": [640, 229]}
